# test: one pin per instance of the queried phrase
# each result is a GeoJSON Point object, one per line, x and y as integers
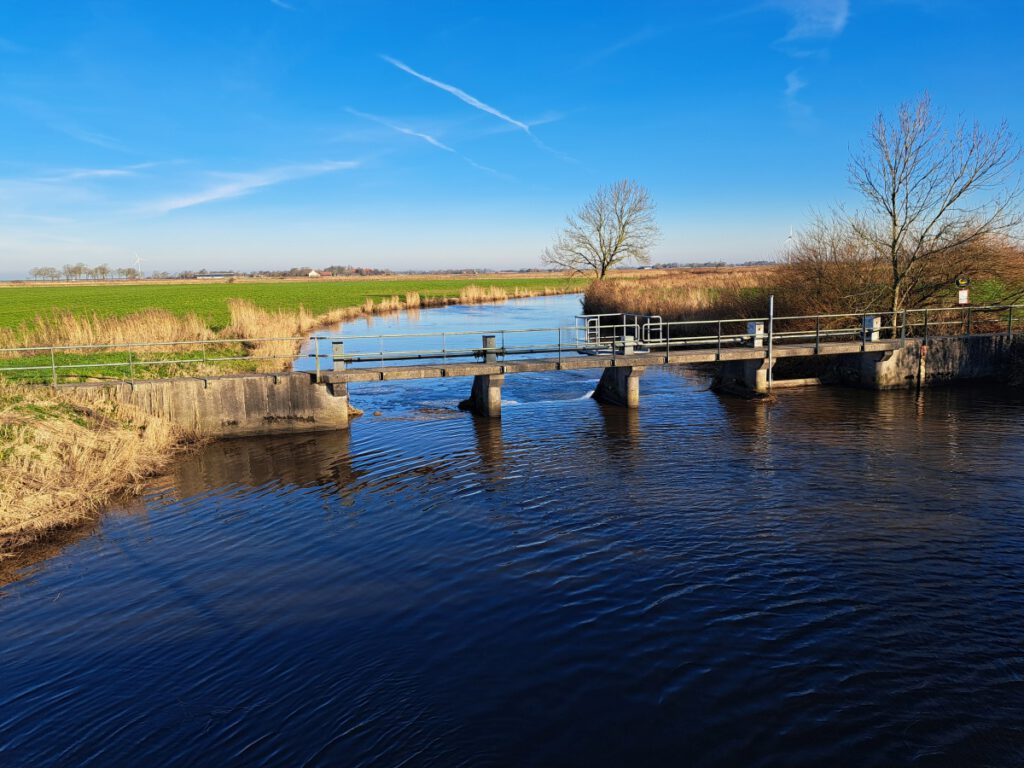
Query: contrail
{"type": "Point", "coordinates": [460, 94]}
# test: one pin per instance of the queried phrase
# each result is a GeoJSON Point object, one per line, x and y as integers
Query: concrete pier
{"type": "Point", "coordinates": [485, 396]}
{"type": "Point", "coordinates": [620, 386]}
{"type": "Point", "coordinates": [233, 406]}
{"type": "Point", "coordinates": [941, 360]}
{"type": "Point", "coordinates": [746, 378]}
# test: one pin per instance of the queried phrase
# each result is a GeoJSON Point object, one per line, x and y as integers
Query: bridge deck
{"type": "Point", "coordinates": [572, 362]}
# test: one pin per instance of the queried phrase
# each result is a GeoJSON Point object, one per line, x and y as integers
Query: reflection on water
{"type": "Point", "coordinates": [832, 578]}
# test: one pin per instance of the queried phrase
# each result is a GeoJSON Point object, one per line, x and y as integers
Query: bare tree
{"type": "Point", "coordinates": [934, 198]}
{"type": "Point", "coordinates": [614, 226]}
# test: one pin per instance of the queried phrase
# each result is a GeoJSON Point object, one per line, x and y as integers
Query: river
{"type": "Point", "coordinates": [833, 578]}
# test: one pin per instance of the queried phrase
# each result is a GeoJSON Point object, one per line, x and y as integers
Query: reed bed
{"type": "Point", "coordinates": [247, 321]}
{"type": "Point", "coordinates": [694, 294]}
{"type": "Point", "coordinates": [62, 459]}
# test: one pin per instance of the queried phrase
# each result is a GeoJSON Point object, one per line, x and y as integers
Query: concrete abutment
{"type": "Point", "coordinates": [620, 385]}
{"type": "Point", "coordinates": [233, 406]}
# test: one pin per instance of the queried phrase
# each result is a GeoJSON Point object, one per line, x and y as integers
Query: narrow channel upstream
{"type": "Point", "coordinates": [835, 578]}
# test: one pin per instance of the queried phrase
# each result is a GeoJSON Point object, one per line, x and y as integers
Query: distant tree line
{"type": "Point", "coordinates": [81, 271]}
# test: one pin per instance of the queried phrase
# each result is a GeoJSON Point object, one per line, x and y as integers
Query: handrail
{"type": "Point", "coordinates": [632, 333]}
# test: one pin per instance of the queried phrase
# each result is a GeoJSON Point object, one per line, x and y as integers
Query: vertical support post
{"type": "Point", "coordinates": [817, 334]}
{"type": "Point", "coordinates": [316, 356]}
{"type": "Point", "coordinates": [1009, 325]}
{"type": "Point", "coordinates": [338, 356]}
{"type": "Point", "coordinates": [968, 321]}
{"type": "Point", "coordinates": [719, 355]}
{"type": "Point", "coordinates": [771, 334]}
{"type": "Point", "coordinates": [755, 330]}
{"type": "Point", "coordinates": [871, 329]}
{"type": "Point", "coordinates": [53, 367]}
{"type": "Point", "coordinates": [903, 329]}
{"type": "Point", "coordinates": [131, 364]}
{"type": "Point", "coordinates": [490, 349]}
{"type": "Point", "coordinates": [926, 327]}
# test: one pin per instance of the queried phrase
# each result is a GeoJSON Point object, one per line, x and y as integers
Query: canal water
{"type": "Point", "coordinates": [836, 578]}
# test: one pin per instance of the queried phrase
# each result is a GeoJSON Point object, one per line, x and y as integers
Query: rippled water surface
{"type": "Point", "coordinates": [835, 578]}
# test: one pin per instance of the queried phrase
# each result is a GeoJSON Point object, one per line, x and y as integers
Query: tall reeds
{"type": "Point", "coordinates": [62, 459]}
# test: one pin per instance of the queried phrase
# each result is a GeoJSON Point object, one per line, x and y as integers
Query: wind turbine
{"type": "Point", "coordinates": [138, 265]}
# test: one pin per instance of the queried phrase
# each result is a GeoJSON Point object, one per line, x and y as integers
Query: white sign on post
{"type": "Point", "coordinates": [964, 296]}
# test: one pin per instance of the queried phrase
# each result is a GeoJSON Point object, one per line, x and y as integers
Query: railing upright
{"type": "Point", "coordinates": [316, 356]}
{"type": "Point", "coordinates": [719, 355]}
{"type": "Point", "coordinates": [926, 327]}
{"type": "Point", "coordinates": [903, 329]}
{"type": "Point", "coordinates": [817, 334]}
{"type": "Point", "coordinates": [53, 367]}
{"type": "Point", "coordinates": [1009, 325]}
{"type": "Point", "coordinates": [968, 321]}
{"type": "Point", "coordinates": [338, 355]}
{"type": "Point", "coordinates": [131, 364]}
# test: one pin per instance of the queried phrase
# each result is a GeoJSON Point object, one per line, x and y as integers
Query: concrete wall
{"type": "Point", "coordinates": [233, 406]}
{"type": "Point", "coordinates": [942, 361]}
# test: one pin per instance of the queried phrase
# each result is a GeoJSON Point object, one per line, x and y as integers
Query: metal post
{"type": "Point", "coordinates": [903, 330]}
{"type": "Point", "coordinates": [316, 356]}
{"type": "Point", "coordinates": [771, 328]}
{"type": "Point", "coordinates": [489, 349]}
{"type": "Point", "coordinates": [53, 367]}
{"type": "Point", "coordinates": [338, 356]}
{"type": "Point", "coordinates": [817, 334]}
{"type": "Point", "coordinates": [131, 364]}
{"type": "Point", "coordinates": [719, 358]}
{"type": "Point", "coordinates": [926, 327]}
{"type": "Point", "coordinates": [968, 321]}
{"type": "Point", "coordinates": [203, 347]}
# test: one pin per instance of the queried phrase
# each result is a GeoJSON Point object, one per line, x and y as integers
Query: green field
{"type": "Point", "coordinates": [19, 304]}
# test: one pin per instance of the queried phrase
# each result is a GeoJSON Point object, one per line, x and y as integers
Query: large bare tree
{"type": "Point", "coordinates": [614, 226]}
{"type": "Point", "coordinates": [935, 198]}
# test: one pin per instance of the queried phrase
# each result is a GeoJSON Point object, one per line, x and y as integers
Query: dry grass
{"type": "Point", "coordinates": [61, 459]}
{"type": "Point", "coordinates": [67, 328]}
{"type": "Point", "coordinates": [691, 294]}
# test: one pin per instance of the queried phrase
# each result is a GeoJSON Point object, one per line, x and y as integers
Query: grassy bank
{"type": "Point", "coordinates": [40, 316]}
{"type": "Point", "coordinates": [61, 460]}
{"type": "Point", "coordinates": [210, 302]}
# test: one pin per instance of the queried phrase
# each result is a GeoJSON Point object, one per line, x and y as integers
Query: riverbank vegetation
{"type": "Point", "coordinates": [61, 459]}
{"type": "Point", "coordinates": [225, 316]}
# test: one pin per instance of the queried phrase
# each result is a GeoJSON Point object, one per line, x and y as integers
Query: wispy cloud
{"type": "Point", "coordinates": [400, 129]}
{"type": "Point", "coordinates": [427, 138]}
{"type": "Point", "coordinates": [459, 94]}
{"type": "Point", "coordinates": [238, 185]}
{"type": "Point", "coordinates": [814, 19]}
{"type": "Point", "coordinates": [798, 110]}
{"type": "Point", "coordinates": [636, 38]}
{"type": "Point", "coordinates": [794, 84]}
{"type": "Point", "coordinates": [283, 4]}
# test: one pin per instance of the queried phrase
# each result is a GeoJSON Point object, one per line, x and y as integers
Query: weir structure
{"type": "Point", "coordinates": [912, 348]}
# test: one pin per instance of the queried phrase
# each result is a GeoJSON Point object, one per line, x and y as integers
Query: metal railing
{"type": "Point", "coordinates": [602, 334]}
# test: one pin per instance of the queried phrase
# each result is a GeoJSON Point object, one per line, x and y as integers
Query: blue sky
{"type": "Point", "coordinates": [273, 133]}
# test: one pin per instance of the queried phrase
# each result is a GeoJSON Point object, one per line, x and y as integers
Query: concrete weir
{"type": "Point", "coordinates": [620, 386]}
{"type": "Point", "coordinates": [234, 406]}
